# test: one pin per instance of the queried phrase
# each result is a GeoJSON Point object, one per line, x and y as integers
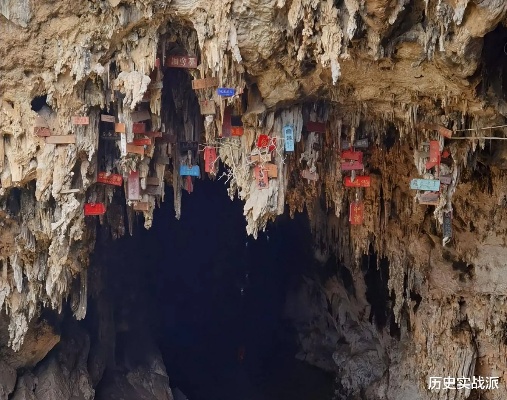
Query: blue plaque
{"type": "Point", "coordinates": [288, 134]}
{"type": "Point", "coordinates": [226, 92]}
{"type": "Point", "coordinates": [185, 170]}
{"type": "Point", "coordinates": [432, 185]}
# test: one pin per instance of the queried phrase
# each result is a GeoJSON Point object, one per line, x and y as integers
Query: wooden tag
{"type": "Point", "coordinates": [261, 176]}
{"type": "Point", "coordinates": [133, 186]}
{"type": "Point", "coordinates": [237, 131]}
{"type": "Point", "coordinates": [185, 170]}
{"type": "Point", "coordinates": [119, 128]}
{"type": "Point", "coordinates": [108, 118]}
{"type": "Point", "coordinates": [432, 185]}
{"type": "Point", "coordinates": [204, 83]}
{"type": "Point", "coordinates": [352, 155]}
{"type": "Point", "coordinates": [356, 214]}
{"type": "Point", "coordinates": [181, 62]}
{"type": "Point", "coordinates": [62, 139]}
{"type": "Point", "coordinates": [141, 206]}
{"type": "Point", "coordinates": [138, 127]}
{"type": "Point", "coordinates": [41, 132]}
{"type": "Point", "coordinates": [210, 156]}
{"type": "Point", "coordinates": [351, 165]}
{"type": "Point", "coordinates": [272, 170]}
{"type": "Point", "coordinates": [94, 209]}
{"type": "Point", "coordinates": [123, 144]}
{"type": "Point", "coordinates": [429, 198]}
{"type": "Point", "coordinates": [207, 107]}
{"type": "Point", "coordinates": [152, 181]}
{"type": "Point", "coordinates": [153, 134]}
{"type": "Point", "coordinates": [111, 179]}
{"type": "Point", "coordinates": [263, 157]}
{"type": "Point", "coordinates": [359, 181]}
{"type": "Point", "coordinates": [445, 179]}
{"type": "Point", "coordinates": [288, 134]}
{"type": "Point", "coordinates": [153, 190]}
{"type": "Point", "coordinates": [319, 127]}
{"type": "Point", "coordinates": [138, 116]}
{"type": "Point", "coordinates": [226, 123]}
{"type": "Point", "coordinates": [142, 142]}
{"type": "Point", "coordinates": [80, 120]}
{"type": "Point", "coordinates": [447, 225]}
{"type": "Point", "coordinates": [131, 148]}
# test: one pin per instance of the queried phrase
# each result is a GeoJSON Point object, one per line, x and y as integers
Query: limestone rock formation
{"type": "Point", "coordinates": [90, 89]}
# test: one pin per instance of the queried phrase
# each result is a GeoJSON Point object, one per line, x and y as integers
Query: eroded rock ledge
{"type": "Point", "coordinates": [379, 70]}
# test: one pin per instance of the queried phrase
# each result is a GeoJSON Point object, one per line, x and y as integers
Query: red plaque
{"type": "Point", "coordinates": [41, 132]}
{"type": "Point", "coordinates": [434, 154]}
{"type": "Point", "coordinates": [138, 127]}
{"type": "Point", "coordinates": [237, 131]}
{"type": "Point", "coordinates": [189, 186]}
{"type": "Point", "coordinates": [181, 62]}
{"type": "Point", "coordinates": [133, 149]}
{"type": "Point", "coordinates": [359, 181]}
{"type": "Point", "coordinates": [319, 127]}
{"type": "Point", "coordinates": [351, 165]}
{"type": "Point", "coordinates": [94, 209]}
{"type": "Point", "coordinates": [265, 141]}
{"type": "Point", "coordinates": [142, 142]}
{"type": "Point", "coordinates": [153, 134]}
{"type": "Point", "coordinates": [352, 155]}
{"type": "Point", "coordinates": [134, 186]}
{"type": "Point", "coordinates": [226, 123]}
{"type": "Point", "coordinates": [261, 176]}
{"type": "Point", "coordinates": [356, 215]}
{"type": "Point", "coordinates": [210, 156]}
{"type": "Point", "coordinates": [119, 128]}
{"type": "Point", "coordinates": [80, 120]}
{"type": "Point", "coordinates": [111, 179]}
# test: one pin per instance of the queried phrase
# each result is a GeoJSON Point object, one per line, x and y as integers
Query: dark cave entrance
{"type": "Point", "coordinates": [211, 299]}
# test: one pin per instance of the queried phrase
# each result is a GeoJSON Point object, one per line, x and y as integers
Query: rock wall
{"type": "Point", "coordinates": [398, 73]}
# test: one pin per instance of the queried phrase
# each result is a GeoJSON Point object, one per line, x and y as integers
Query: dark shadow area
{"type": "Point", "coordinates": [213, 299]}
{"type": "Point", "coordinates": [377, 292]}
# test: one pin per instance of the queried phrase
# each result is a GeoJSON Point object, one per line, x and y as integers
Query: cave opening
{"type": "Point", "coordinates": [209, 298]}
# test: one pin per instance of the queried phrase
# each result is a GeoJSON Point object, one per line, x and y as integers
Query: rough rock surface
{"type": "Point", "coordinates": [382, 69]}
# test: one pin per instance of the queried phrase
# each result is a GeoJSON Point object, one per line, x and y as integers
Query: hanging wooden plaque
{"type": "Point", "coordinates": [359, 181]}
{"type": "Point", "coordinates": [272, 170]}
{"type": "Point", "coordinates": [434, 154]}
{"type": "Point", "coordinates": [261, 176]}
{"type": "Point", "coordinates": [319, 127]}
{"type": "Point", "coordinates": [41, 132]}
{"type": "Point", "coordinates": [119, 128]}
{"type": "Point", "coordinates": [356, 214]}
{"type": "Point", "coordinates": [237, 131]}
{"type": "Point", "coordinates": [432, 185]}
{"type": "Point", "coordinates": [142, 142]}
{"type": "Point", "coordinates": [61, 139]}
{"type": "Point", "coordinates": [210, 157]}
{"type": "Point", "coordinates": [138, 116]}
{"type": "Point", "coordinates": [204, 83]}
{"type": "Point", "coordinates": [78, 120]}
{"type": "Point", "coordinates": [133, 186]}
{"type": "Point", "coordinates": [153, 190]}
{"type": "Point", "coordinates": [445, 179]}
{"type": "Point", "coordinates": [288, 135]}
{"type": "Point", "coordinates": [430, 198]}
{"type": "Point", "coordinates": [153, 134]}
{"type": "Point", "coordinates": [138, 127]}
{"type": "Point", "coordinates": [447, 225]}
{"type": "Point", "coordinates": [123, 144]}
{"type": "Point", "coordinates": [94, 209]}
{"type": "Point", "coordinates": [207, 107]}
{"type": "Point", "coordinates": [111, 179]}
{"type": "Point", "coordinates": [108, 118]}
{"type": "Point", "coordinates": [152, 181]}
{"type": "Point", "coordinates": [352, 155]}
{"type": "Point", "coordinates": [351, 165]}
{"type": "Point", "coordinates": [185, 170]}
{"type": "Point", "coordinates": [263, 157]}
{"type": "Point", "coordinates": [141, 206]}
{"type": "Point", "coordinates": [181, 62]}
{"type": "Point", "coordinates": [226, 123]}
{"type": "Point", "coordinates": [189, 186]}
